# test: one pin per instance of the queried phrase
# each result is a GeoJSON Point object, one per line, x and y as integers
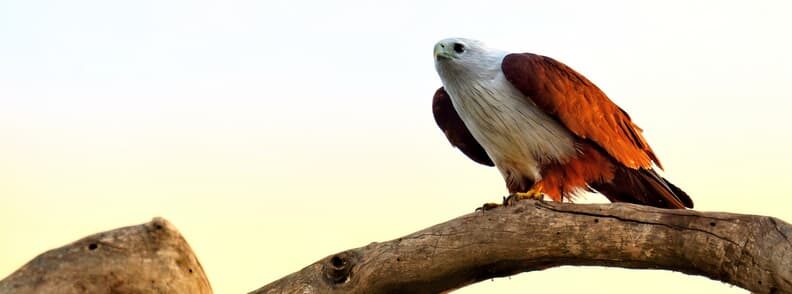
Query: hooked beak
{"type": "Point", "coordinates": [440, 52]}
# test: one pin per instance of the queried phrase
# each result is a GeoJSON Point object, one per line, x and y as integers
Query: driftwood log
{"type": "Point", "coordinates": [148, 258]}
{"type": "Point", "coordinates": [752, 252]}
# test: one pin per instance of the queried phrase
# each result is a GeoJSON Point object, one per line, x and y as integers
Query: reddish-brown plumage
{"type": "Point", "coordinates": [578, 104]}
{"type": "Point", "coordinates": [561, 180]}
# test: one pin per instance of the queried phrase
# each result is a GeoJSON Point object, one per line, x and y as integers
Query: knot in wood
{"type": "Point", "coordinates": [338, 268]}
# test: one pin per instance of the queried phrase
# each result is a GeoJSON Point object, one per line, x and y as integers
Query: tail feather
{"type": "Point", "coordinates": [684, 197]}
{"type": "Point", "coordinates": [643, 186]}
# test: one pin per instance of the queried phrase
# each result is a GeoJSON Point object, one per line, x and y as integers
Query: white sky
{"type": "Point", "coordinates": [244, 120]}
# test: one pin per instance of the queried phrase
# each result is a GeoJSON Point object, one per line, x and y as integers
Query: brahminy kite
{"type": "Point", "coordinates": [548, 129]}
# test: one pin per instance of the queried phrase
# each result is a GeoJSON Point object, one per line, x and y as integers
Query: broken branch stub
{"type": "Point", "coordinates": [147, 258]}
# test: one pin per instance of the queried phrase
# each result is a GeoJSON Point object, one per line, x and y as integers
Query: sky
{"type": "Point", "coordinates": [275, 133]}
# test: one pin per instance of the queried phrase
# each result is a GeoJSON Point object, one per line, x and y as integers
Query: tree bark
{"type": "Point", "coordinates": [148, 258]}
{"type": "Point", "coordinates": [752, 252]}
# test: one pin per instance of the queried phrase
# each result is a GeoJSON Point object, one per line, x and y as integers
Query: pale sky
{"type": "Point", "coordinates": [274, 133]}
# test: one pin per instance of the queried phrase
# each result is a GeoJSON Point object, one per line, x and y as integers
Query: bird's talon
{"type": "Point", "coordinates": [509, 200]}
{"type": "Point", "coordinates": [487, 206]}
{"type": "Point", "coordinates": [514, 197]}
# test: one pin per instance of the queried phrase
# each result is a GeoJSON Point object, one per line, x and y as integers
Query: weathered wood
{"type": "Point", "coordinates": [148, 258]}
{"type": "Point", "coordinates": [753, 252]}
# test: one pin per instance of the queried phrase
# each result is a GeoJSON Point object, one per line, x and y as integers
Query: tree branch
{"type": "Point", "coordinates": [753, 252]}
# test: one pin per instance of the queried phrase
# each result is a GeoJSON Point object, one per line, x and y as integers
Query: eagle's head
{"type": "Point", "coordinates": [456, 57]}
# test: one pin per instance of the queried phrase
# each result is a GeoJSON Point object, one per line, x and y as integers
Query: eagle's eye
{"type": "Point", "coordinates": [459, 48]}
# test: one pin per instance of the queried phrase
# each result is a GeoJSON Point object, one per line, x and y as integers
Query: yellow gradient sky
{"type": "Point", "coordinates": [274, 133]}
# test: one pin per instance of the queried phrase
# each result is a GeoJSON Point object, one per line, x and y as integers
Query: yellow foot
{"type": "Point", "coordinates": [531, 194]}
{"type": "Point", "coordinates": [488, 206]}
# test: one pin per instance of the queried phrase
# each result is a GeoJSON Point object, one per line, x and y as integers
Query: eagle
{"type": "Point", "coordinates": [547, 128]}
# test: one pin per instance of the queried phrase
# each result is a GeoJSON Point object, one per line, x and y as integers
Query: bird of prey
{"type": "Point", "coordinates": [548, 129]}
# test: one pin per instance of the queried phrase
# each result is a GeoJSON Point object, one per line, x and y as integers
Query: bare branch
{"type": "Point", "coordinates": [753, 252]}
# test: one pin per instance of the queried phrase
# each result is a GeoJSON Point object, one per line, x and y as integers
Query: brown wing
{"type": "Point", "coordinates": [579, 105]}
{"type": "Point", "coordinates": [455, 130]}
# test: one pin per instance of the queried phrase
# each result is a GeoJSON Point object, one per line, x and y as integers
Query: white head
{"type": "Point", "coordinates": [465, 58]}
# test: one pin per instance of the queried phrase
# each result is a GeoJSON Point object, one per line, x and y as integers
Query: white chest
{"type": "Point", "coordinates": [515, 133]}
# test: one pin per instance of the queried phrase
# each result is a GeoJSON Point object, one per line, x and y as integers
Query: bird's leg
{"type": "Point", "coordinates": [535, 193]}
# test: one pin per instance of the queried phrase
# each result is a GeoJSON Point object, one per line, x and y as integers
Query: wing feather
{"type": "Point", "coordinates": [579, 105]}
